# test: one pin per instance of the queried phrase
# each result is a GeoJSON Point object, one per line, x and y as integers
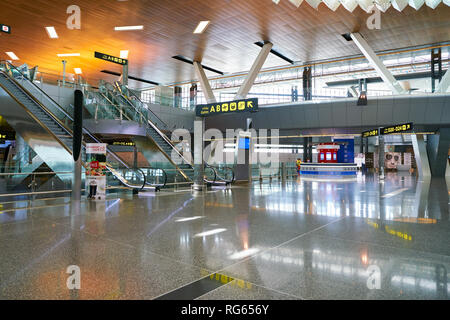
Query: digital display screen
{"type": "Point", "coordinates": [244, 143]}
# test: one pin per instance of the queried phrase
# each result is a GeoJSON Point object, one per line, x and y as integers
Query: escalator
{"type": "Point", "coordinates": [138, 110]}
{"type": "Point", "coordinates": [43, 124]}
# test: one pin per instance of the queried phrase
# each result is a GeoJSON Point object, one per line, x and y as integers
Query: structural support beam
{"type": "Point", "coordinates": [353, 92]}
{"type": "Point", "coordinates": [199, 129]}
{"type": "Point", "coordinates": [437, 149]}
{"type": "Point", "coordinates": [125, 75]}
{"type": "Point", "coordinates": [444, 84]}
{"type": "Point", "coordinates": [253, 73]}
{"type": "Point", "coordinates": [204, 82]}
{"type": "Point", "coordinates": [420, 153]}
{"type": "Point", "coordinates": [378, 65]}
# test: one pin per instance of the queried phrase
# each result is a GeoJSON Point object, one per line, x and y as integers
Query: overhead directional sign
{"type": "Point", "coordinates": [112, 59]}
{"type": "Point", "coordinates": [5, 28]}
{"type": "Point", "coordinates": [397, 128]}
{"type": "Point", "coordinates": [370, 133]}
{"type": "Point", "coordinates": [388, 130]}
{"type": "Point", "coordinates": [206, 110]}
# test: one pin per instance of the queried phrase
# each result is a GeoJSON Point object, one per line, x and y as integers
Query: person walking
{"type": "Point", "coordinates": [299, 163]}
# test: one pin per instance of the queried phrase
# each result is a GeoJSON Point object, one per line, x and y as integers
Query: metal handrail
{"type": "Point", "coordinates": [164, 174]}
{"type": "Point", "coordinates": [161, 134]}
{"type": "Point", "coordinates": [233, 175]}
{"type": "Point", "coordinates": [124, 181]}
{"type": "Point", "coordinates": [34, 173]}
{"type": "Point", "coordinates": [32, 115]}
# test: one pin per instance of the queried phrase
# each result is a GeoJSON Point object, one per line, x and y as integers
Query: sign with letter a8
{"type": "Point", "coordinates": [206, 110]}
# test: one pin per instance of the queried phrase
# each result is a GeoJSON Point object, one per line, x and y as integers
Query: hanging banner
{"type": "Point", "coordinates": [206, 110]}
{"type": "Point", "coordinates": [96, 171]}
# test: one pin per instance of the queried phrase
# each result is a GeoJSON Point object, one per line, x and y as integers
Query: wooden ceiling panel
{"type": "Point", "coordinates": [302, 34]}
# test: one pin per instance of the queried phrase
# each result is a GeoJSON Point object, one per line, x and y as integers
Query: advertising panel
{"type": "Point", "coordinates": [95, 171]}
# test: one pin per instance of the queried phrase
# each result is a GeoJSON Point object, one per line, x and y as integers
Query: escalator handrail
{"type": "Point", "coordinates": [218, 177]}
{"type": "Point", "coordinates": [110, 103]}
{"type": "Point", "coordinates": [70, 132]}
{"type": "Point", "coordinates": [117, 95]}
{"type": "Point", "coordinates": [41, 91]}
{"type": "Point", "coordinates": [165, 176]}
{"type": "Point", "coordinates": [124, 181]}
{"type": "Point", "coordinates": [28, 94]}
{"type": "Point", "coordinates": [215, 174]}
{"type": "Point", "coordinates": [161, 134]}
{"type": "Point", "coordinates": [98, 141]}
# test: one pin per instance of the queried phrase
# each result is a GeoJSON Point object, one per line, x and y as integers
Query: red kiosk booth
{"type": "Point", "coordinates": [327, 152]}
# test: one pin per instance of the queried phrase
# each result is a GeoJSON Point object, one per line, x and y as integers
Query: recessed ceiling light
{"type": "Point", "coordinates": [124, 54]}
{"type": "Point", "coordinates": [51, 32]}
{"type": "Point", "coordinates": [77, 70]}
{"type": "Point", "coordinates": [201, 27]}
{"type": "Point", "coordinates": [68, 54]}
{"type": "Point", "coordinates": [12, 55]}
{"type": "Point", "coordinates": [126, 28]}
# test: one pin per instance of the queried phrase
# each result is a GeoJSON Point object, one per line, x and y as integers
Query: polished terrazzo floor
{"type": "Point", "coordinates": [302, 239]}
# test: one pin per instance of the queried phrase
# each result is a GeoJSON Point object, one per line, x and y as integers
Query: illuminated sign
{"type": "Point", "coordinates": [397, 128]}
{"type": "Point", "coordinates": [4, 28]}
{"type": "Point", "coordinates": [205, 110]}
{"type": "Point", "coordinates": [112, 59]}
{"type": "Point", "coordinates": [370, 133]}
{"type": "Point", "coordinates": [124, 143]}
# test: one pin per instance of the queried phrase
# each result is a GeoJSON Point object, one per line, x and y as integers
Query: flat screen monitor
{"type": "Point", "coordinates": [244, 143]}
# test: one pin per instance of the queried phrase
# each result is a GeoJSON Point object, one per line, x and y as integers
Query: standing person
{"type": "Point", "coordinates": [299, 163]}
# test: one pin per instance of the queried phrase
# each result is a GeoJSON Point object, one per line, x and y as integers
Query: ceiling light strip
{"type": "Point", "coordinates": [51, 31]}
{"type": "Point", "coordinates": [128, 28]}
{"type": "Point", "coordinates": [201, 27]}
{"type": "Point", "coordinates": [12, 55]}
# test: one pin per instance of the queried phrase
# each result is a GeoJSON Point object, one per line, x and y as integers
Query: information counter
{"type": "Point", "coordinates": [336, 170]}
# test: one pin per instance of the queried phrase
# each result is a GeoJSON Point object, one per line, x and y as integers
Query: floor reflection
{"type": "Point", "coordinates": [399, 197]}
